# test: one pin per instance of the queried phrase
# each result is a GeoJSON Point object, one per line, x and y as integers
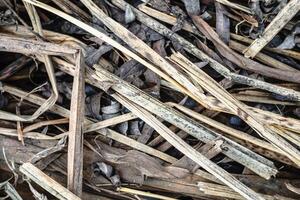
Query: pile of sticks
{"type": "Point", "coordinates": [157, 99]}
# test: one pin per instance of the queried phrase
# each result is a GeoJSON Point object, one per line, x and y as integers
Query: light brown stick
{"type": "Point", "coordinates": [46, 182]}
{"type": "Point", "coordinates": [75, 146]}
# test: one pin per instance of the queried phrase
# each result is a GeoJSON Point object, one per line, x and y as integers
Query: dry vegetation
{"type": "Point", "coordinates": [152, 99]}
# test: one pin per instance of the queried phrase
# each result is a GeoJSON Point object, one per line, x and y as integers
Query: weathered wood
{"type": "Point", "coordinates": [189, 47]}
{"type": "Point", "coordinates": [187, 150]}
{"type": "Point", "coordinates": [75, 142]}
{"type": "Point", "coordinates": [270, 133]}
{"type": "Point", "coordinates": [46, 182]}
{"type": "Point", "coordinates": [230, 148]}
{"type": "Point", "coordinates": [28, 46]}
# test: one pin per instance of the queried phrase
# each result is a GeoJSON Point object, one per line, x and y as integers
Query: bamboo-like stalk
{"type": "Point", "coordinates": [110, 41]}
{"type": "Point", "coordinates": [225, 192]}
{"type": "Point", "coordinates": [270, 133]}
{"type": "Point", "coordinates": [46, 182]}
{"type": "Point", "coordinates": [109, 122]}
{"type": "Point", "coordinates": [71, 8]}
{"type": "Point", "coordinates": [143, 49]}
{"type": "Point", "coordinates": [45, 123]}
{"type": "Point", "coordinates": [187, 150]}
{"type": "Point", "coordinates": [235, 6]}
{"type": "Point", "coordinates": [262, 57]}
{"type": "Point", "coordinates": [284, 52]}
{"type": "Point", "coordinates": [75, 139]}
{"type": "Point", "coordinates": [234, 151]}
{"type": "Point", "coordinates": [226, 129]}
{"type": "Point", "coordinates": [29, 134]}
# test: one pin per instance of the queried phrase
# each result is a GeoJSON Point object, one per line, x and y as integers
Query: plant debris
{"type": "Point", "coordinates": [152, 99]}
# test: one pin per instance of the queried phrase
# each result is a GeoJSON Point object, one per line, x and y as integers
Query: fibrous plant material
{"type": "Point", "coordinates": [190, 152]}
{"type": "Point", "coordinates": [172, 116]}
{"type": "Point", "coordinates": [149, 99]}
{"type": "Point", "coordinates": [75, 143]}
{"type": "Point", "coordinates": [269, 133]}
{"type": "Point", "coordinates": [106, 132]}
{"type": "Point", "coordinates": [285, 15]}
{"type": "Point", "coordinates": [198, 53]}
{"type": "Point", "coordinates": [46, 182]}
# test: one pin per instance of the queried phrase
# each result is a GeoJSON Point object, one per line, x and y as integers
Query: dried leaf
{"type": "Point", "coordinates": [292, 188]}
{"type": "Point", "coordinates": [103, 168]}
{"type": "Point", "coordinates": [134, 128]}
{"type": "Point", "coordinates": [43, 154]}
{"type": "Point", "coordinates": [222, 23]}
{"type": "Point", "coordinates": [93, 105]}
{"type": "Point", "coordinates": [93, 55]}
{"type": "Point", "coordinates": [7, 18]}
{"type": "Point", "coordinates": [129, 15]}
{"type": "Point", "coordinates": [115, 180]}
{"type": "Point", "coordinates": [192, 7]}
{"type": "Point", "coordinates": [289, 41]}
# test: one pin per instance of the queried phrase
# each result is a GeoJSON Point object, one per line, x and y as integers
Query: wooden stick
{"type": "Point", "coordinates": [284, 52]}
{"type": "Point", "coordinates": [264, 116]}
{"type": "Point", "coordinates": [254, 82]}
{"type": "Point", "coordinates": [260, 146]}
{"type": "Point", "coordinates": [264, 58]}
{"type": "Point", "coordinates": [225, 192]}
{"type": "Point", "coordinates": [71, 8]}
{"type": "Point", "coordinates": [235, 6]}
{"type": "Point", "coordinates": [46, 182]}
{"type": "Point", "coordinates": [109, 40]}
{"type": "Point", "coordinates": [284, 16]}
{"type": "Point", "coordinates": [142, 193]}
{"type": "Point", "coordinates": [166, 145]}
{"type": "Point", "coordinates": [241, 61]}
{"type": "Point", "coordinates": [28, 46]}
{"type": "Point", "coordinates": [226, 129]}
{"type": "Point", "coordinates": [31, 135]}
{"type": "Point", "coordinates": [45, 123]}
{"type": "Point", "coordinates": [75, 144]}
{"type": "Point", "coordinates": [109, 122]}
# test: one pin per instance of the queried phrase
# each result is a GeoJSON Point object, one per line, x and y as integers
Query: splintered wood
{"type": "Point", "coordinates": [75, 146]}
{"type": "Point", "coordinates": [159, 99]}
